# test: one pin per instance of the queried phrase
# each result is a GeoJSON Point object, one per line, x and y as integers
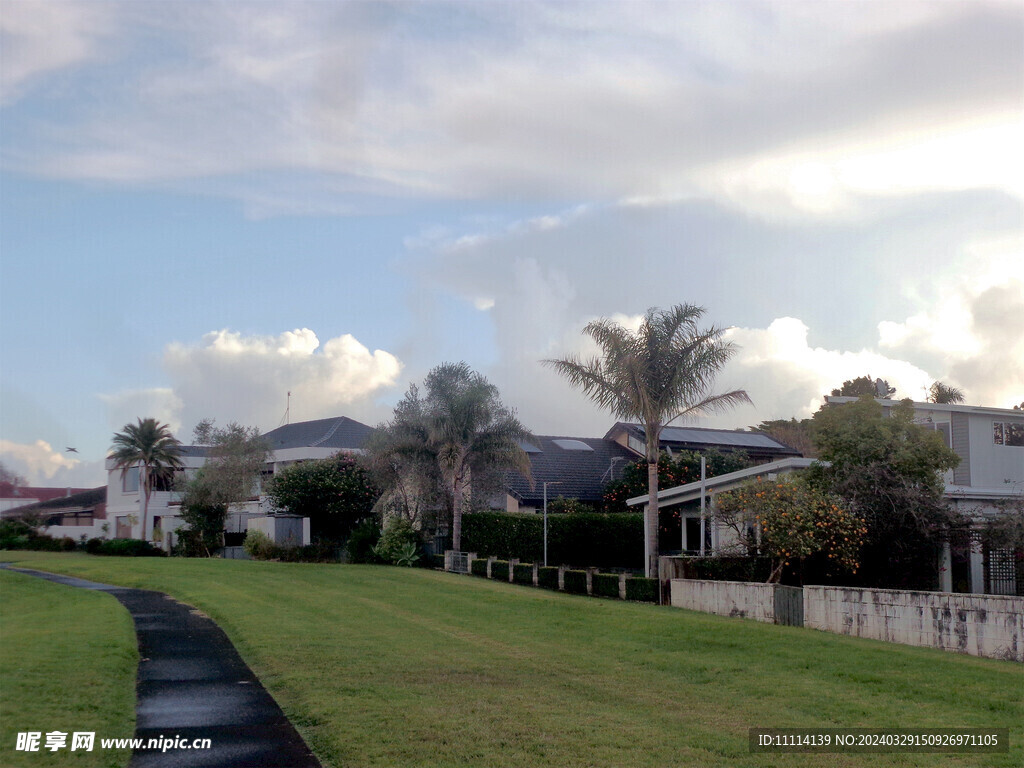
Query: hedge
{"type": "Point", "coordinates": [583, 539]}
{"type": "Point", "coordinates": [123, 548]}
{"type": "Point", "coordinates": [499, 570]}
{"type": "Point", "coordinates": [523, 574]}
{"type": "Point", "coordinates": [575, 582]}
{"type": "Point", "coordinates": [642, 589]}
{"type": "Point", "coordinates": [605, 584]}
{"type": "Point", "coordinates": [478, 567]}
{"type": "Point", "coordinates": [547, 576]}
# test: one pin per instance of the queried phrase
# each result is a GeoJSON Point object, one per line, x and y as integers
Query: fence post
{"type": "Point", "coordinates": [561, 577]}
{"type": "Point", "coordinates": [535, 578]}
{"type": "Point", "coordinates": [590, 580]}
{"type": "Point", "coordinates": [512, 563]}
{"type": "Point", "coordinates": [622, 586]}
{"type": "Point", "coordinates": [490, 561]}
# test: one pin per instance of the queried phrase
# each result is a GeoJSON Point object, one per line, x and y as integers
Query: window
{"type": "Point", "coordinates": [1007, 433]}
{"type": "Point", "coordinates": [130, 480]}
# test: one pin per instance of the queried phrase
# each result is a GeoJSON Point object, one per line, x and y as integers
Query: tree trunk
{"type": "Point", "coordinates": [144, 487]}
{"type": "Point", "coordinates": [651, 513]}
{"type": "Point", "coordinates": [456, 516]}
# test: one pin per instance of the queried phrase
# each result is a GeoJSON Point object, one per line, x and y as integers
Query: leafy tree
{"type": "Point", "coordinates": [792, 521]}
{"type": "Point", "coordinates": [152, 448]}
{"type": "Point", "coordinates": [795, 434]}
{"type": "Point", "coordinates": [1005, 529]}
{"type": "Point", "coordinates": [459, 425]}
{"type": "Point", "coordinates": [890, 471]}
{"type": "Point", "coordinates": [679, 469]}
{"type": "Point", "coordinates": [865, 385]}
{"type": "Point", "coordinates": [561, 505]}
{"type": "Point", "coordinates": [235, 460]}
{"type": "Point", "coordinates": [943, 393]}
{"type": "Point", "coordinates": [334, 493]}
{"type": "Point", "coordinates": [10, 477]}
{"type": "Point", "coordinates": [656, 375]}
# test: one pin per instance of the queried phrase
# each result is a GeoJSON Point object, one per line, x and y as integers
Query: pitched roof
{"type": "Point", "coordinates": [92, 497]}
{"type": "Point", "coordinates": [340, 432]}
{"type": "Point", "coordinates": [34, 495]}
{"type": "Point", "coordinates": [695, 438]}
{"type": "Point", "coordinates": [580, 465]}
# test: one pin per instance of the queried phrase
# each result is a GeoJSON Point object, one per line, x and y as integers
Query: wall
{"type": "Point", "coordinates": [979, 625]}
{"type": "Point", "coordinates": [770, 603]}
{"type": "Point", "coordinates": [991, 464]}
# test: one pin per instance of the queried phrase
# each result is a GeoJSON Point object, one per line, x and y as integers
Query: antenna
{"type": "Point", "coordinates": [287, 412]}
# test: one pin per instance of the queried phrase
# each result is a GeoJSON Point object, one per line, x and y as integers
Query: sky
{"type": "Point", "coordinates": [207, 205]}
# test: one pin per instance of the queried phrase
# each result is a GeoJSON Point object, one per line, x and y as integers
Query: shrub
{"type": "Point", "coordinates": [642, 589]}
{"type": "Point", "coordinates": [399, 542]}
{"type": "Point", "coordinates": [361, 542]}
{"type": "Point", "coordinates": [499, 570]}
{"type": "Point", "coordinates": [93, 546]}
{"type": "Point", "coordinates": [317, 552]}
{"type": "Point", "coordinates": [575, 582]}
{"type": "Point", "coordinates": [581, 539]}
{"type": "Point", "coordinates": [433, 561]}
{"type": "Point", "coordinates": [523, 573]}
{"type": "Point", "coordinates": [605, 584]}
{"type": "Point", "coordinates": [561, 505]}
{"type": "Point", "coordinates": [129, 548]}
{"type": "Point", "coordinates": [547, 576]}
{"type": "Point", "coordinates": [259, 546]}
{"type": "Point", "coordinates": [478, 567]}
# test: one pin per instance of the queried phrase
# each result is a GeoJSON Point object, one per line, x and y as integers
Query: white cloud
{"type": "Point", "coordinates": [37, 461]}
{"type": "Point", "coordinates": [160, 403]}
{"type": "Point", "coordinates": [233, 377]}
{"type": "Point", "coordinates": [39, 38]}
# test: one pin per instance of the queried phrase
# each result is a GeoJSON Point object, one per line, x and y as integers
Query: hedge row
{"type": "Point", "coordinates": [582, 539]}
{"type": "Point", "coordinates": [638, 588]}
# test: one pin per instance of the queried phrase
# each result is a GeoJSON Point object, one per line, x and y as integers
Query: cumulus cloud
{"type": "Point", "coordinates": [37, 461]}
{"type": "Point", "coordinates": [233, 377]}
{"type": "Point", "coordinates": [160, 403]}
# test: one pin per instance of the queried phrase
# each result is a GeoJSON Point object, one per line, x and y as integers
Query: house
{"type": "Point", "coordinates": [289, 444]}
{"type": "Point", "coordinates": [758, 446]}
{"type": "Point", "coordinates": [82, 513]}
{"type": "Point", "coordinates": [990, 443]}
{"type": "Point", "coordinates": [13, 496]}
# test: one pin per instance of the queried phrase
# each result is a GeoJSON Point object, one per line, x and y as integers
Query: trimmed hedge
{"type": "Point", "coordinates": [605, 584]}
{"type": "Point", "coordinates": [478, 567]}
{"type": "Point", "coordinates": [523, 574]}
{"type": "Point", "coordinates": [433, 561]}
{"type": "Point", "coordinates": [583, 539]}
{"type": "Point", "coordinates": [642, 589]}
{"type": "Point", "coordinates": [575, 582]}
{"type": "Point", "coordinates": [123, 548]}
{"type": "Point", "coordinates": [728, 568]}
{"type": "Point", "coordinates": [547, 576]}
{"type": "Point", "coordinates": [499, 570]}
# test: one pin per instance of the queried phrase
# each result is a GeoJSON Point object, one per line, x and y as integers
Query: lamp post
{"type": "Point", "coordinates": [550, 482]}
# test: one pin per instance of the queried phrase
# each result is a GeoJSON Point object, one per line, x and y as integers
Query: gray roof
{"type": "Point", "coordinates": [581, 474]}
{"type": "Point", "coordinates": [724, 439]}
{"type": "Point", "coordinates": [341, 433]}
{"type": "Point", "coordinates": [89, 498]}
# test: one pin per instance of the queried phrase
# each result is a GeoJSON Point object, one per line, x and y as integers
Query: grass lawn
{"type": "Point", "coordinates": [407, 667]}
{"type": "Point", "coordinates": [67, 663]}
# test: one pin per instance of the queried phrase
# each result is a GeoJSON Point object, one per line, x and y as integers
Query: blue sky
{"type": "Point", "coordinates": [204, 206]}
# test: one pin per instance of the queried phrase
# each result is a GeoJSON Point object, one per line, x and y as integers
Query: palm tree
{"type": "Point", "coordinates": [460, 426]}
{"type": "Point", "coordinates": [944, 393]}
{"type": "Point", "coordinates": [152, 448]}
{"type": "Point", "coordinates": [655, 376]}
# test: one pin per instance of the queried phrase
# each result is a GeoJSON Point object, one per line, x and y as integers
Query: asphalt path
{"type": "Point", "coordinates": [192, 684]}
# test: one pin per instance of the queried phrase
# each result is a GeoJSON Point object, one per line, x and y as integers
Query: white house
{"type": "Point", "coordinates": [289, 444]}
{"type": "Point", "coordinates": [990, 444]}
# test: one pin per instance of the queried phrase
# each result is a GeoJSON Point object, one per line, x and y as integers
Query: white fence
{"type": "Point", "coordinates": [771, 603]}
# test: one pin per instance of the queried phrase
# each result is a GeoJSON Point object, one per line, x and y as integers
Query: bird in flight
{"type": "Point", "coordinates": [70, 450]}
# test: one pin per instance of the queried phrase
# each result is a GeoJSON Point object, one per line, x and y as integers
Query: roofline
{"type": "Point", "coordinates": [950, 407]}
{"type": "Point", "coordinates": [682, 492]}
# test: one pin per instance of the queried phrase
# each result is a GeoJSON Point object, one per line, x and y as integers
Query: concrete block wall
{"type": "Point", "coordinates": [979, 625]}
{"type": "Point", "coordinates": [725, 598]}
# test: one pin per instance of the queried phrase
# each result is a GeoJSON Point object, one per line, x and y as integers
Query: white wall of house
{"type": "Point", "coordinates": [994, 466]}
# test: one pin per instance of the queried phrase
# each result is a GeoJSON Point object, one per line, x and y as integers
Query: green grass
{"type": "Point", "coordinates": [406, 667]}
{"type": "Point", "coordinates": [67, 663]}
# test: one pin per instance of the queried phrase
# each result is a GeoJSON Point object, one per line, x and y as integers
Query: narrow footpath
{"type": "Point", "coordinates": [192, 684]}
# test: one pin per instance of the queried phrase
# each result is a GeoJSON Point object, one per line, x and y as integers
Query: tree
{"type": "Point", "coordinates": [656, 375]}
{"type": "Point", "coordinates": [790, 522]}
{"type": "Point", "coordinates": [235, 459]}
{"type": "Point", "coordinates": [152, 448]}
{"type": "Point", "coordinates": [11, 478]}
{"type": "Point", "coordinates": [795, 434]}
{"type": "Point", "coordinates": [943, 393]}
{"type": "Point", "coordinates": [334, 493]}
{"type": "Point", "coordinates": [890, 471]}
{"type": "Point", "coordinates": [865, 385]}
{"type": "Point", "coordinates": [461, 426]}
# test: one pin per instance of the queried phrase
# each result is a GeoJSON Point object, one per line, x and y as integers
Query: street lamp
{"type": "Point", "coordinates": [550, 482]}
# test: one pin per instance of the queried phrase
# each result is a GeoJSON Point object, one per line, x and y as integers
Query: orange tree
{"type": "Point", "coordinates": [790, 521]}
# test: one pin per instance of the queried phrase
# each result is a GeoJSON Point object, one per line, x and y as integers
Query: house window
{"type": "Point", "coordinates": [1007, 433]}
{"type": "Point", "coordinates": [130, 480]}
